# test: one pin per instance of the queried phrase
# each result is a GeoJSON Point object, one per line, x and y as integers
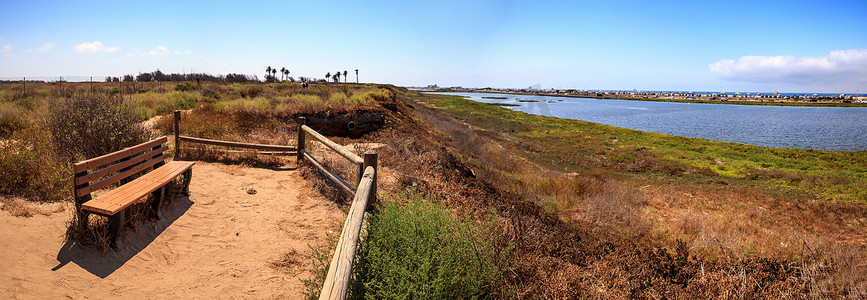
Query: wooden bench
{"type": "Point", "coordinates": [120, 167]}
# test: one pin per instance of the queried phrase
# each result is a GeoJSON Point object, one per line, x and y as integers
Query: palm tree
{"type": "Point", "coordinates": [282, 73]}
{"type": "Point", "coordinates": [274, 74]}
{"type": "Point", "coordinates": [336, 77]}
{"type": "Point", "coordinates": [356, 75]}
{"type": "Point", "coordinates": [344, 75]}
{"type": "Point", "coordinates": [327, 76]}
{"type": "Point", "coordinates": [267, 73]}
{"type": "Point", "coordinates": [286, 73]}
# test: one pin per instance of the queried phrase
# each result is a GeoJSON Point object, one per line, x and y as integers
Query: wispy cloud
{"type": "Point", "coordinates": [159, 50]}
{"type": "Point", "coordinates": [94, 47]}
{"type": "Point", "coordinates": [46, 48]}
{"type": "Point", "coordinates": [7, 51]}
{"type": "Point", "coordinates": [840, 68]}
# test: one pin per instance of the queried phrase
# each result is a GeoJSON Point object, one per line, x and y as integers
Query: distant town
{"type": "Point", "coordinates": [662, 95]}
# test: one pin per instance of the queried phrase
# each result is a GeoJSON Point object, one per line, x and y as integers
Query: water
{"type": "Point", "coordinates": [820, 128]}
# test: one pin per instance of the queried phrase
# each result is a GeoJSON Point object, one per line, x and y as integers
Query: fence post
{"type": "Point", "coordinates": [359, 174]}
{"type": "Point", "coordinates": [177, 133]}
{"type": "Point", "coordinates": [301, 122]}
{"type": "Point", "coordinates": [370, 161]}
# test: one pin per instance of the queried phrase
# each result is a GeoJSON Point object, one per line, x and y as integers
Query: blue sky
{"type": "Point", "coordinates": [790, 46]}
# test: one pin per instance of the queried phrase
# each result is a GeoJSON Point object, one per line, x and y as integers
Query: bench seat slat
{"type": "Point", "coordinates": [111, 202]}
{"type": "Point", "coordinates": [169, 171]}
{"type": "Point", "coordinates": [122, 197]}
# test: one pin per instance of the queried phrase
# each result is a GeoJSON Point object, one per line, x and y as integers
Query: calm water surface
{"type": "Point", "coordinates": [821, 128]}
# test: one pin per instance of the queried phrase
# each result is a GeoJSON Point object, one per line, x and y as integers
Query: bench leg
{"type": "Point", "coordinates": [158, 195]}
{"type": "Point", "coordinates": [82, 219]}
{"type": "Point", "coordinates": [81, 213]}
{"type": "Point", "coordinates": [188, 176]}
{"type": "Point", "coordinates": [114, 226]}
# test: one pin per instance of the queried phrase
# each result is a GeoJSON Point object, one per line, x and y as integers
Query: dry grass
{"type": "Point", "coordinates": [641, 236]}
{"type": "Point", "coordinates": [20, 207]}
{"type": "Point", "coordinates": [96, 231]}
{"type": "Point", "coordinates": [209, 153]}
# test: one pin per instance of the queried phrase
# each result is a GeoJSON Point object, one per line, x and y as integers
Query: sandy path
{"type": "Point", "coordinates": [218, 243]}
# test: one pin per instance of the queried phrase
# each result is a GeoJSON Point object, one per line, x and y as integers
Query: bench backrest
{"type": "Point", "coordinates": [96, 173]}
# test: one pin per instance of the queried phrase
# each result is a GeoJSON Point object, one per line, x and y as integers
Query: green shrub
{"type": "Point", "coordinates": [422, 251]}
{"type": "Point", "coordinates": [251, 90]}
{"type": "Point", "coordinates": [148, 105]}
{"type": "Point", "coordinates": [30, 169]}
{"type": "Point", "coordinates": [183, 87]}
{"type": "Point", "coordinates": [90, 126]}
{"type": "Point", "coordinates": [321, 260]}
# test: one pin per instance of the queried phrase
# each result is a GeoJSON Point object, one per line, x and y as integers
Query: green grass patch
{"type": "Point", "coordinates": [417, 249]}
{"type": "Point", "coordinates": [572, 145]}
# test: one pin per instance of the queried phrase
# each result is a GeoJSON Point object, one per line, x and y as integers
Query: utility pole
{"type": "Point", "coordinates": [356, 75]}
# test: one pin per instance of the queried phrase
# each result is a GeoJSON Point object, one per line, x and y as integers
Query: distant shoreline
{"type": "Point", "coordinates": [678, 98]}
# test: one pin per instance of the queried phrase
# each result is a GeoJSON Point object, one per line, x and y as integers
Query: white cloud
{"type": "Point", "coordinates": [844, 68]}
{"type": "Point", "coordinates": [185, 52]}
{"type": "Point", "coordinates": [94, 47]}
{"type": "Point", "coordinates": [46, 48]}
{"type": "Point", "coordinates": [7, 48]}
{"type": "Point", "coordinates": [159, 50]}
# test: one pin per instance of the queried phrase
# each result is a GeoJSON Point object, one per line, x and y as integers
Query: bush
{"type": "Point", "coordinates": [87, 127]}
{"type": "Point", "coordinates": [183, 87]}
{"type": "Point", "coordinates": [12, 119]}
{"type": "Point", "coordinates": [422, 251]}
{"type": "Point", "coordinates": [148, 105]}
{"type": "Point", "coordinates": [30, 169]}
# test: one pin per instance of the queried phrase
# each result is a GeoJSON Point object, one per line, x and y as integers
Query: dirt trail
{"type": "Point", "coordinates": [218, 243]}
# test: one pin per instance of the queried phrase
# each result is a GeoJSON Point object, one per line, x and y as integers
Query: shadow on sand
{"type": "Point", "coordinates": [131, 243]}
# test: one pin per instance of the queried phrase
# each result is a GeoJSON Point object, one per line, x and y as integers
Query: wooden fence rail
{"type": "Point", "coordinates": [339, 273]}
{"type": "Point", "coordinates": [340, 270]}
{"type": "Point", "coordinates": [274, 149]}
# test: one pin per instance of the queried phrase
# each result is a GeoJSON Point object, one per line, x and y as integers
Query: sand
{"type": "Point", "coordinates": [218, 243]}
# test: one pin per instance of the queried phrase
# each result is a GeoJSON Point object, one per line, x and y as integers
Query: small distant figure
{"type": "Point", "coordinates": [304, 84]}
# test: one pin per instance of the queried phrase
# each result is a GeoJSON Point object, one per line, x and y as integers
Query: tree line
{"type": "Point", "coordinates": [270, 76]}
{"type": "Point", "coordinates": [337, 75]}
{"type": "Point", "coordinates": [160, 76]}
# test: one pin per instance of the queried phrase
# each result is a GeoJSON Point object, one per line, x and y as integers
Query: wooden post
{"type": "Point", "coordinates": [359, 175]}
{"type": "Point", "coordinates": [370, 161]}
{"type": "Point", "coordinates": [177, 133]}
{"type": "Point", "coordinates": [301, 122]}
